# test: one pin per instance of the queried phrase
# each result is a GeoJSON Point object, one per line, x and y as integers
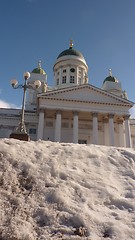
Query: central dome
{"type": "Point", "coordinates": [70, 51]}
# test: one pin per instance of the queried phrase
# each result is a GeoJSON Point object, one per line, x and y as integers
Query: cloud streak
{"type": "Point", "coordinates": [4, 104]}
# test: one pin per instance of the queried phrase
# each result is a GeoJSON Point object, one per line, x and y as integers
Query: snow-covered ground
{"type": "Point", "coordinates": [50, 191]}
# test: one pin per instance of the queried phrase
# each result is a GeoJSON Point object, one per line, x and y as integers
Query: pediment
{"type": "Point", "coordinates": [85, 93]}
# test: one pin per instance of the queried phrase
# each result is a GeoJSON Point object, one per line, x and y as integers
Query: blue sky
{"type": "Point", "coordinates": [32, 30]}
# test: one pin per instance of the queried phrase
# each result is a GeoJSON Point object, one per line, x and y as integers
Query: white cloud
{"type": "Point", "coordinates": [132, 112]}
{"type": "Point", "coordinates": [4, 104]}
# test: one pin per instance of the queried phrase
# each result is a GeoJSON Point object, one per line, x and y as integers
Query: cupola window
{"type": "Point", "coordinates": [57, 81]}
{"type": "Point", "coordinates": [72, 79]}
{"type": "Point", "coordinates": [72, 70]}
{"type": "Point", "coordinates": [63, 79]}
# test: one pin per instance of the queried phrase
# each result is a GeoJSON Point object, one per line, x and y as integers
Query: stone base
{"type": "Point", "coordinates": [20, 136]}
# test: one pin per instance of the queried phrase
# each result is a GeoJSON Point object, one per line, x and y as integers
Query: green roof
{"type": "Point", "coordinates": [110, 79]}
{"type": "Point", "coordinates": [39, 69]}
{"type": "Point", "coordinates": [69, 52]}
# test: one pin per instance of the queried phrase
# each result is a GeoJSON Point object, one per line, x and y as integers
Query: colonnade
{"type": "Point", "coordinates": [109, 132]}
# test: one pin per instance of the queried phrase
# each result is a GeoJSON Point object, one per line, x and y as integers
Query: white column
{"type": "Point", "coordinates": [68, 74]}
{"type": "Point", "coordinates": [40, 130]}
{"type": "Point", "coordinates": [106, 130]}
{"type": "Point", "coordinates": [111, 129]}
{"type": "Point", "coordinates": [121, 133]}
{"type": "Point", "coordinates": [95, 128]}
{"type": "Point", "coordinates": [60, 75]}
{"type": "Point", "coordinates": [82, 77]}
{"type": "Point", "coordinates": [58, 127]}
{"type": "Point", "coordinates": [76, 80]}
{"type": "Point", "coordinates": [75, 127]}
{"type": "Point", "coordinates": [127, 132]}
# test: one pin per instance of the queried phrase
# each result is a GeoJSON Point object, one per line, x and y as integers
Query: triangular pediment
{"type": "Point", "coordinates": [85, 93]}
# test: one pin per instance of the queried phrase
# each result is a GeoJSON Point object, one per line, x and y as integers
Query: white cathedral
{"type": "Point", "coordinates": [74, 111]}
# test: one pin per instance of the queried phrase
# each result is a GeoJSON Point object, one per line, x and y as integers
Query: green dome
{"type": "Point", "coordinates": [39, 70]}
{"type": "Point", "coordinates": [110, 79]}
{"type": "Point", "coordinates": [69, 52]}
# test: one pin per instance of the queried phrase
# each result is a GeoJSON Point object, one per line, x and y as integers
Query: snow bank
{"type": "Point", "coordinates": [66, 191]}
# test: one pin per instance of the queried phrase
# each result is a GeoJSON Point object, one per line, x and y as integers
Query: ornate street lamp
{"type": "Point", "coordinates": [20, 132]}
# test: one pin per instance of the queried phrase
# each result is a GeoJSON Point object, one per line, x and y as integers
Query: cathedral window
{"type": "Point", "coordinates": [72, 79]}
{"type": "Point", "coordinates": [81, 141]}
{"type": "Point", "coordinates": [63, 79]}
{"type": "Point", "coordinates": [32, 131]}
{"type": "Point", "coordinates": [57, 81]}
{"type": "Point", "coordinates": [72, 70]}
{"type": "Point", "coordinates": [64, 70]}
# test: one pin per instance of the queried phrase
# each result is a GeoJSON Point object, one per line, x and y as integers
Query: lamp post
{"type": "Point", "coordinates": [20, 132]}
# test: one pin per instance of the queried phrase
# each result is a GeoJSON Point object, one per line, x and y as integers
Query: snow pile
{"type": "Point", "coordinates": [64, 191]}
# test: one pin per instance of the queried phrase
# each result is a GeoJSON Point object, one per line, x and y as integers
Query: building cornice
{"type": "Point", "coordinates": [86, 102]}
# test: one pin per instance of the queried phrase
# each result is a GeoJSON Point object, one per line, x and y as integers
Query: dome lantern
{"type": "Point", "coordinates": [110, 78]}
{"type": "Point", "coordinates": [71, 52]}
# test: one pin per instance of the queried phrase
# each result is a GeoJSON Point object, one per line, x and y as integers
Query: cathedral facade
{"type": "Point", "coordinates": [74, 111]}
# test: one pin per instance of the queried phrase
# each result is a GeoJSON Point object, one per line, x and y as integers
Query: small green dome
{"type": "Point", "coordinates": [110, 78]}
{"type": "Point", "coordinates": [39, 70]}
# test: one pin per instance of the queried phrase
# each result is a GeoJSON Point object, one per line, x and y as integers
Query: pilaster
{"type": "Point", "coordinates": [58, 126]}
{"type": "Point", "coordinates": [95, 128]}
{"type": "Point", "coordinates": [60, 75]}
{"type": "Point", "coordinates": [106, 130]}
{"type": "Point", "coordinates": [68, 74]}
{"type": "Point", "coordinates": [111, 129]}
{"type": "Point", "coordinates": [75, 127]}
{"type": "Point", "coordinates": [127, 131]}
{"type": "Point", "coordinates": [121, 132]}
{"type": "Point", "coordinates": [40, 131]}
